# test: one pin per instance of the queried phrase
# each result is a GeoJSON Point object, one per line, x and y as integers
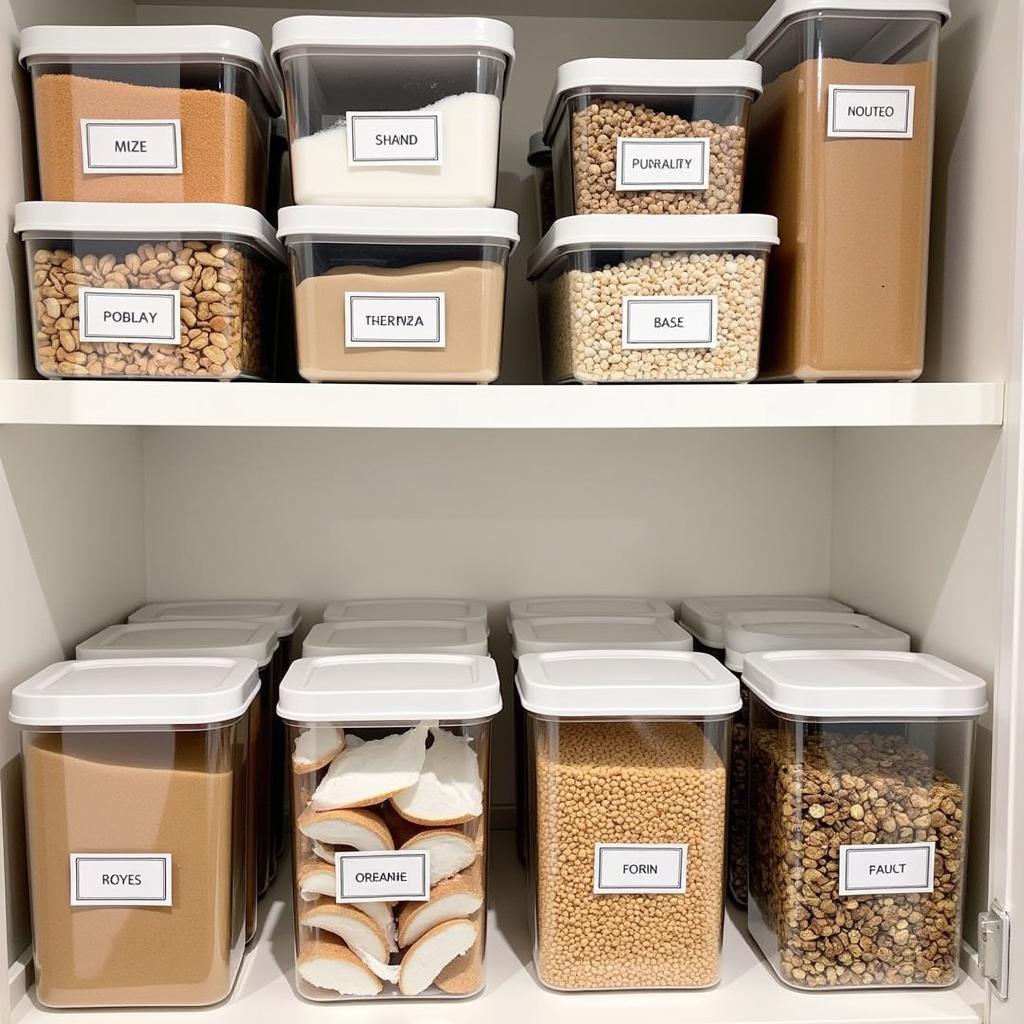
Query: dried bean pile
{"type": "Point", "coordinates": [738, 795]}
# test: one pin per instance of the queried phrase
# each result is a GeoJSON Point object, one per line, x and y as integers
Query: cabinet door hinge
{"type": "Point", "coordinates": [994, 947]}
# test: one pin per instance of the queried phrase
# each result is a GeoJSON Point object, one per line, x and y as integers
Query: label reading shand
{"type": "Point", "coordinates": [639, 868]}
{"type": "Point", "coordinates": [131, 147]}
{"type": "Point", "coordinates": [121, 880]}
{"type": "Point", "coordinates": [877, 870]}
{"type": "Point", "coordinates": [871, 112]}
{"type": "Point", "coordinates": [382, 877]}
{"type": "Point", "coordinates": [669, 321]}
{"type": "Point", "coordinates": [668, 165]}
{"type": "Point", "coordinates": [394, 320]}
{"type": "Point", "coordinates": [382, 138]}
{"type": "Point", "coordinates": [129, 316]}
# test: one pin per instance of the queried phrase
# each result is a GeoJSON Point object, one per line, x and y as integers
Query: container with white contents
{"type": "Point", "coordinates": [652, 298]}
{"type": "Point", "coordinates": [407, 609]}
{"type": "Point", "coordinates": [390, 758]}
{"type": "Point", "coordinates": [394, 111]}
{"type": "Point", "coordinates": [413, 636]}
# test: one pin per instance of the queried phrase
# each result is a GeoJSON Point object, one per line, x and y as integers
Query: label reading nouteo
{"type": "Point", "coordinates": [878, 870]}
{"type": "Point", "coordinates": [129, 316]}
{"type": "Point", "coordinates": [121, 880]}
{"type": "Point", "coordinates": [380, 138]}
{"type": "Point", "coordinates": [640, 868]}
{"type": "Point", "coordinates": [394, 320]}
{"type": "Point", "coordinates": [669, 321]}
{"type": "Point", "coordinates": [871, 111]}
{"type": "Point", "coordinates": [131, 147]}
{"type": "Point", "coordinates": [382, 877]}
{"type": "Point", "coordinates": [668, 165]}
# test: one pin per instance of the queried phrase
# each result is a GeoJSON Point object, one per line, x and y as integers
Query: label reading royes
{"type": "Point", "coordinates": [669, 321]}
{"type": "Point", "coordinates": [382, 877]}
{"type": "Point", "coordinates": [871, 112]}
{"type": "Point", "coordinates": [876, 870]}
{"type": "Point", "coordinates": [131, 147]}
{"type": "Point", "coordinates": [129, 316]}
{"type": "Point", "coordinates": [640, 868]}
{"type": "Point", "coordinates": [384, 137]}
{"type": "Point", "coordinates": [121, 880]}
{"type": "Point", "coordinates": [394, 320]}
{"type": "Point", "coordinates": [668, 165]}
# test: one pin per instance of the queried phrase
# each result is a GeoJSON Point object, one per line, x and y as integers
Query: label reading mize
{"type": "Point", "coordinates": [131, 146]}
{"type": "Point", "coordinates": [381, 138]}
{"type": "Point", "coordinates": [121, 880]}
{"type": "Point", "coordinates": [871, 112]}
{"type": "Point", "coordinates": [382, 877]}
{"type": "Point", "coordinates": [668, 165]}
{"type": "Point", "coordinates": [394, 320]}
{"type": "Point", "coordinates": [879, 869]}
{"type": "Point", "coordinates": [129, 316]}
{"type": "Point", "coordinates": [626, 868]}
{"type": "Point", "coordinates": [669, 321]}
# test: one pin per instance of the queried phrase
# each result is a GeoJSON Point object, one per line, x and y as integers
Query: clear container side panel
{"type": "Point", "coordinates": [738, 797]}
{"type": "Point", "coordinates": [280, 772]}
{"type": "Point", "coordinates": [363, 821]}
{"type": "Point", "coordinates": [544, 194]}
{"type": "Point", "coordinates": [860, 831]}
{"type": "Point", "coordinates": [174, 793]}
{"type": "Point", "coordinates": [262, 712]}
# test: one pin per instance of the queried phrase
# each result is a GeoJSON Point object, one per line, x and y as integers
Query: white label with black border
{"type": "Point", "coordinates": [129, 316]}
{"type": "Point", "coordinates": [669, 321]}
{"type": "Point", "coordinates": [668, 165]}
{"type": "Point", "coordinates": [640, 868]}
{"type": "Point", "coordinates": [121, 880]}
{"type": "Point", "coordinates": [131, 147]}
{"type": "Point", "coordinates": [382, 877]}
{"type": "Point", "coordinates": [381, 138]}
{"type": "Point", "coordinates": [875, 870]}
{"type": "Point", "coordinates": [871, 112]}
{"type": "Point", "coordinates": [394, 320]}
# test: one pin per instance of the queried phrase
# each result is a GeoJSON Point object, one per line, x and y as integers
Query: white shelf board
{"type": "Point", "coordinates": [415, 406]}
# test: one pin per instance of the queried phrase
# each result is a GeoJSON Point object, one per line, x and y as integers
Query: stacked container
{"type": "Point", "coordinates": [407, 609]}
{"type": "Point", "coordinates": [422, 636]}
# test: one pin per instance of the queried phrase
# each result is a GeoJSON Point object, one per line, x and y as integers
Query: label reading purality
{"type": "Point", "coordinates": [382, 877]}
{"type": "Point", "coordinates": [129, 316]}
{"type": "Point", "coordinates": [131, 147]}
{"type": "Point", "coordinates": [639, 868]}
{"type": "Point", "coordinates": [121, 880]}
{"type": "Point", "coordinates": [668, 165]}
{"type": "Point", "coordinates": [381, 138]}
{"type": "Point", "coordinates": [876, 870]}
{"type": "Point", "coordinates": [670, 321]}
{"type": "Point", "coordinates": [394, 320]}
{"type": "Point", "coordinates": [871, 112]}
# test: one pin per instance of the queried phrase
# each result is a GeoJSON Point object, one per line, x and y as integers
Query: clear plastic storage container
{"type": "Point", "coordinates": [538, 156]}
{"type": "Point", "coordinates": [410, 636]}
{"type": "Point", "coordinates": [398, 294]}
{"type": "Point", "coordinates": [627, 756]}
{"type": "Point", "coordinates": [588, 606]}
{"type": "Point", "coordinates": [390, 759]}
{"type": "Point", "coordinates": [136, 783]}
{"type": "Point", "coordinates": [652, 298]}
{"type": "Point", "coordinates": [407, 609]}
{"type": "Point", "coordinates": [150, 290]}
{"type": "Point", "coordinates": [860, 774]}
{"type": "Point", "coordinates": [151, 114]}
{"type": "Point", "coordinates": [650, 136]}
{"type": "Point", "coordinates": [841, 153]}
{"type": "Point", "coordinates": [394, 111]}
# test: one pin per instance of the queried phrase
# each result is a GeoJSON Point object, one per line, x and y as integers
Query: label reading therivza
{"type": "Point", "coordinates": [668, 165]}
{"type": "Point", "coordinates": [870, 112]}
{"type": "Point", "coordinates": [394, 320]}
{"type": "Point", "coordinates": [876, 870]}
{"type": "Point", "coordinates": [669, 321]}
{"type": "Point", "coordinates": [382, 877]}
{"type": "Point", "coordinates": [121, 880]}
{"type": "Point", "coordinates": [131, 147]}
{"type": "Point", "coordinates": [638, 868]}
{"type": "Point", "coordinates": [385, 137]}
{"type": "Point", "coordinates": [129, 316]}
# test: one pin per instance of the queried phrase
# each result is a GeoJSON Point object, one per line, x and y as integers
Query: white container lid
{"type": "Point", "coordinates": [412, 609]}
{"type": "Point", "coordinates": [201, 639]}
{"type": "Point", "coordinates": [136, 691]}
{"type": "Point", "coordinates": [654, 231]}
{"type": "Point", "coordinates": [452, 636]}
{"type": "Point", "coordinates": [747, 632]}
{"type": "Point", "coordinates": [390, 688]}
{"type": "Point", "coordinates": [889, 685]}
{"type": "Point", "coordinates": [627, 684]}
{"type": "Point", "coordinates": [591, 606]}
{"type": "Point", "coordinates": [282, 615]}
{"type": "Point", "coordinates": [583, 633]}
{"type": "Point", "coordinates": [143, 44]}
{"type": "Point", "coordinates": [704, 616]}
{"type": "Point", "coordinates": [146, 220]}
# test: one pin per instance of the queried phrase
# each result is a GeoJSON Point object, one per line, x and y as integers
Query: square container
{"type": "Point", "coordinates": [138, 768]}
{"type": "Point", "coordinates": [407, 609]}
{"type": "Point", "coordinates": [390, 758]}
{"type": "Point", "coordinates": [158, 290]}
{"type": "Point", "coordinates": [652, 298]}
{"type": "Point", "coordinates": [394, 111]}
{"type": "Point", "coordinates": [650, 136]}
{"type": "Point", "coordinates": [151, 114]}
{"type": "Point", "coordinates": [588, 606]}
{"type": "Point", "coordinates": [841, 153]}
{"type": "Point", "coordinates": [860, 775]}
{"type": "Point", "coordinates": [398, 294]}
{"type": "Point", "coordinates": [627, 756]}
{"type": "Point", "coordinates": [411, 636]}
{"type": "Point", "coordinates": [539, 158]}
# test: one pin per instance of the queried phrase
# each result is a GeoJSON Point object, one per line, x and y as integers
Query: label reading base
{"type": "Point", "coordinates": [382, 877]}
{"type": "Point", "coordinates": [669, 321]}
{"type": "Point", "coordinates": [631, 868]}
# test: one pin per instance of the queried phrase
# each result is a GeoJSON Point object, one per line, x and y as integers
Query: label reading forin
{"type": "Point", "coordinates": [668, 165]}
{"type": "Point", "coordinates": [382, 877]}
{"type": "Point", "coordinates": [871, 112]}
{"type": "Point", "coordinates": [381, 138]}
{"type": "Point", "coordinates": [129, 316]}
{"type": "Point", "coordinates": [669, 321]}
{"type": "Point", "coordinates": [877, 870]}
{"type": "Point", "coordinates": [394, 320]}
{"type": "Point", "coordinates": [121, 880]}
{"type": "Point", "coordinates": [639, 868]}
{"type": "Point", "coordinates": [131, 147]}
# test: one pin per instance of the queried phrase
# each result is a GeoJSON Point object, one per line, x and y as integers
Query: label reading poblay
{"type": "Point", "coordinates": [129, 316]}
{"type": "Point", "coordinates": [640, 868]}
{"type": "Point", "coordinates": [381, 138]}
{"type": "Point", "coordinates": [668, 165]}
{"type": "Point", "coordinates": [394, 320]}
{"type": "Point", "coordinates": [121, 880]}
{"type": "Point", "coordinates": [871, 112]}
{"type": "Point", "coordinates": [382, 877]}
{"type": "Point", "coordinates": [676, 321]}
{"type": "Point", "coordinates": [131, 147]}
{"type": "Point", "coordinates": [877, 870]}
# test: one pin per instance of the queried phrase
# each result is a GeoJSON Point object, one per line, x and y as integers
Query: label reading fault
{"type": "Point", "coordinates": [637, 868]}
{"type": "Point", "coordinates": [668, 165]}
{"type": "Point", "coordinates": [129, 316]}
{"type": "Point", "coordinates": [871, 112]}
{"type": "Point", "coordinates": [670, 321]}
{"type": "Point", "coordinates": [121, 880]}
{"type": "Point", "coordinates": [131, 147]}
{"type": "Point", "coordinates": [384, 137]}
{"type": "Point", "coordinates": [874, 870]}
{"type": "Point", "coordinates": [394, 320]}
{"type": "Point", "coordinates": [382, 877]}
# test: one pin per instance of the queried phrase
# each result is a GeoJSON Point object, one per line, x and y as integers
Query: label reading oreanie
{"type": "Point", "coordinates": [121, 880]}
{"type": "Point", "coordinates": [676, 321]}
{"type": "Point", "coordinates": [638, 868]}
{"type": "Point", "coordinates": [385, 137]}
{"type": "Point", "coordinates": [871, 112]}
{"type": "Point", "coordinates": [394, 320]}
{"type": "Point", "coordinates": [668, 165]}
{"type": "Point", "coordinates": [131, 147]}
{"type": "Point", "coordinates": [382, 877]}
{"type": "Point", "coordinates": [129, 316]}
{"type": "Point", "coordinates": [877, 870]}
